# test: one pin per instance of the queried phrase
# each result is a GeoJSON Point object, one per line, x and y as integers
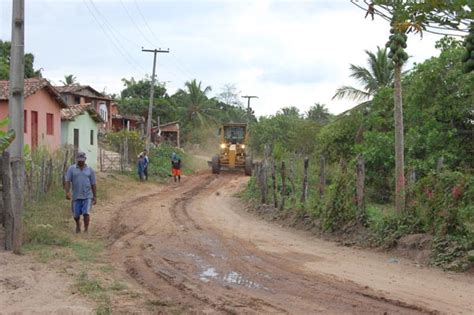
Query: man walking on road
{"type": "Point", "coordinates": [176, 167]}
{"type": "Point", "coordinates": [84, 193]}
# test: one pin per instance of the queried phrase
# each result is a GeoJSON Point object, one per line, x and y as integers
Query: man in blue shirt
{"type": "Point", "coordinates": [84, 193]}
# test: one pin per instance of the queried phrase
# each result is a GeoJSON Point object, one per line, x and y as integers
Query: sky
{"type": "Point", "coordinates": [286, 52]}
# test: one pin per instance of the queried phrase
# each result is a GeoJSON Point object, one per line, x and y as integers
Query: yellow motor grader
{"type": "Point", "coordinates": [233, 149]}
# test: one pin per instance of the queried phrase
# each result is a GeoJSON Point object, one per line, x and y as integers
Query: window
{"type": "Point", "coordinates": [92, 137]}
{"type": "Point", "coordinates": [77, 100]}
{"type": "Point", "coordinates": [49, 124]}
{"type": "Point", "coordinates": [25, 121]}
{"type": "Point", "coordinates": [103, 112]}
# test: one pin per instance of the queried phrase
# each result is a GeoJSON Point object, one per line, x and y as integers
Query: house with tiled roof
{"type": "Point", "coordinates": [42, 112]}
{"type": "Point", "coordinates": [79, 128]}
{"type": "Point", "coordinates": [82, 94]}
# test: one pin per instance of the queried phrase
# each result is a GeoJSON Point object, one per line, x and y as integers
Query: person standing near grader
{"type": "Point", "coordinates": [84, 192]}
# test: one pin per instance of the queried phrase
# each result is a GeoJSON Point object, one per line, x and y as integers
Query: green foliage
{"type": "Point", "coordinates": [30, 72]}
{"type": "Point", "coordinates": [377, 75]}
{"type": "Point", "coordinates": [337, 139]}
{"type": "Point", "coordinates": [116, 141]}
{"type": "Point", "coordinates": [387, 226]}
{"type": "Point", "coordinates": [319, 114]}
{"type": "Point", "coordinates": [340, 202]}
{"type": "Point", "coordinates": [445, 202]}
{"type": "Point", "coordinates": [286, 130]}
{"type": "Point", "coordinates": [160, 161]}
{"type": "Point", "coordinates": [6, 138]}
{"type": "Point", "coordinates": [468, 56]}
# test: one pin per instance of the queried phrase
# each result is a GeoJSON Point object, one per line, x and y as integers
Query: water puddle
{"type": "Point", "coordinates": [236, 278]}
{"type": "Point", "coordinates": [207, 274]}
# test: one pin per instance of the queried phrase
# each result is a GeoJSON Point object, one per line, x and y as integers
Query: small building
{"type": "Point", "coordinates": [42, 112]}
{"type": "Point", "coordinates": [168, 133]}
{"type": "Point", "coordinates": [123, 121]}
{"type": "Point", "coordinates": [83, 94]}
{"type": "Point", "coordinates": [79, 128]}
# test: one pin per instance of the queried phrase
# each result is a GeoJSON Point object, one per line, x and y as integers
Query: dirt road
{"type": "Point", "coordinates": [196, 249]}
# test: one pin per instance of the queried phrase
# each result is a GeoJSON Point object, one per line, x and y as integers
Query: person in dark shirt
{"type": "Point", "coordinates": [176, 167]}
{"type": "Point", "coordinates": [141, 167]}
{"type": "Point", "coordinates": [147, 161]}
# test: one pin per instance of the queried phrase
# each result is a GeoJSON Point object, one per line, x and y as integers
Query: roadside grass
{"type": "Point", "coordinates": [49, 236]}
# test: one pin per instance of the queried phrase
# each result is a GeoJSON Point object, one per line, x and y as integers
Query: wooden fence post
{"type": "Point", "coordinates": [7, 200]}
{"type": "Point", "coordinates": [283, 185]}
{"type": "Point", "coordinates": [304, 194]}
{"type": "Point", "coordinates": [360, 183]}
{"type": "Point", "coordinates": [275, 198]}
{"type": "Point", "coordinates": [291, 178]}
{"type": "Point", "coordinates": [322, 176]}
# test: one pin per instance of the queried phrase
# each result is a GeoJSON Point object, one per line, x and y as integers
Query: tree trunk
{"type": "Point", "coordinates": [304, 194]}
{"type": "Point", "coordinates": [275, 198]}
{"type": "Point", "coordinates": [322, 177]}
{"type": "Point", "coordinates": [360, 167]}
{"type": "Point", "coordinates": [283, 185]}
{"type": "Point", "coordinates": [399, 144]}
{"type": "Point", "coordinates": [7, 200]}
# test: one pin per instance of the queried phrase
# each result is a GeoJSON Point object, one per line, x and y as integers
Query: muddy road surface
{"type": "Point", "coordinates": [195, 248]}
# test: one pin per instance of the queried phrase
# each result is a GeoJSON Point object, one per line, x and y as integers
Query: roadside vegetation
{"type": "Point", "coordinates": [438, 99]}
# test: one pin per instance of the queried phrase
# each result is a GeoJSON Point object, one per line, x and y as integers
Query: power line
{"type": "Point", "coordinates": [134, 23]}
{"type": "Point", "coordinates": [175, 60]}
{"type": "Point", "coordinates": [110, 33]}
{"type": "Point", "coordinates": [137, 27]}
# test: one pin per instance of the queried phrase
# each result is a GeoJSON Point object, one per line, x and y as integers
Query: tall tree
{"type": "Point", "coordinates": [230, 95]}
{"type": "Point", "coordinates": [440, 17]}
{"type": "Point", "coordinates": [378, 74]}
{"type": "Point", "coordinates": [319, 114]}
{"type": "Point", "coordinates": [194, 101]}
{"type": "Point", "coordinates": [69, 79]}
{"type": "Point", "coordinates": [30, 72]}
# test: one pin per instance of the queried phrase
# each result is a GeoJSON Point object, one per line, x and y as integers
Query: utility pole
{"type": "Point", "coordinates": [15, 112]}
{"type": "Point", "coordinates": [152, 93]}
{"type": "Point", "coordinates": [248, 97]}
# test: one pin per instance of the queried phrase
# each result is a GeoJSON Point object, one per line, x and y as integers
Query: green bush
{"type": "Point", "coordinates": [160, 161]}
{"type": "Point", "coordinates": [340, 206]}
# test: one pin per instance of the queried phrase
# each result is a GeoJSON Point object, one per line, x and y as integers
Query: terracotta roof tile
{"type": "Point", "coordinates": [74, 110]}
{"type": "Point", "coordinates": [31, 87]}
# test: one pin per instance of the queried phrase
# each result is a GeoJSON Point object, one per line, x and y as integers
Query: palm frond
{"type": "Point", "coordinates": [351, 93]}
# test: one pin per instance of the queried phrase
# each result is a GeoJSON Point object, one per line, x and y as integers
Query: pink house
{"type": "Point", "coordinates": [42, 113]}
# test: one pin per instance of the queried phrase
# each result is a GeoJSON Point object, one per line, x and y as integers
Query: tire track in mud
{"type": "Point", "coordinates": [204, 270]}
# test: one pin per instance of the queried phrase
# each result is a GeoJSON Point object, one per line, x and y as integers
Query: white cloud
{"type": "Point", "coordinates": [286, 52]}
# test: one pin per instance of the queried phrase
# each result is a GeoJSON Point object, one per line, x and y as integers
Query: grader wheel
{"type": "Point", "coordinates": [216, 167]}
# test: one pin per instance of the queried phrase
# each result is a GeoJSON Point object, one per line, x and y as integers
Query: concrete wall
{"type": "Point", "coordinates": [85, 124]}
{"type": "Point", "coordinates": [42, 103]}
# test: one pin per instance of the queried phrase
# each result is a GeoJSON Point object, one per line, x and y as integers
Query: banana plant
{"type": "Point", "coordinates": [6, 137]}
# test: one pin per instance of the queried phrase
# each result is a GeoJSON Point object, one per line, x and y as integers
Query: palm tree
{"type": "Point", "coordinates": [319, 113]}
{"type": "Point", "coordinates": [376, 76]}
{"type": "Point", "coordinates": [193, 99]}
{"type": "Point", "coordinates": [69, 79]}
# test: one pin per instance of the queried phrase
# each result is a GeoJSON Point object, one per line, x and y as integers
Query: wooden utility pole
{"type": "Point", "coordinates": [248, 97]}
{"type": "Point", "coordinates": [15, 113]}
{"type": "Point", "coordinates": [152, 93]}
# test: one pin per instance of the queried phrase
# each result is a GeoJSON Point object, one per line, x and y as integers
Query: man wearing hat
{"type": "Point", "coordinates": [84, 193]}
